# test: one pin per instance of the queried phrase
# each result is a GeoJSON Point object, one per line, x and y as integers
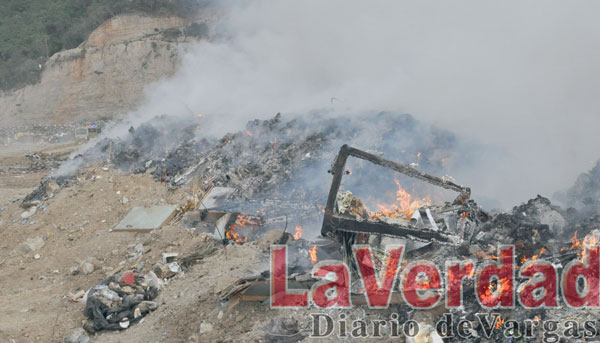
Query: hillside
{"type": "Point", "coordinates": [104, 76]}
{"type": "Point", "coordinates": [33, 30]}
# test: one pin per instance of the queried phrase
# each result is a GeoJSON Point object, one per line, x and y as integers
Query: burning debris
{"type": "Point", "coordinates": [403, 222]}
{"type": "Point", "coordinates": [269, 183]}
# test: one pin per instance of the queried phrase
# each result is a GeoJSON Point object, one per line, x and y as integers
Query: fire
{"type": "Point", "coordinates": [503, 285]}
{"type": "Point", "coordinates": [234, 236]}
{"type": "Point", "coordinates": [298, 233]}
{"type": "Point", "coordinates": [590, 240]}
{"type": "Point", "coordinates": [581, 245]}
{"type": "Point", "coordinates": [499, 323]}
{"type": "Point", "coordinates": [407, 205]}
{"type": "Point", "coordinates": [164, 177]}
{"type": "Point", "coordinates": [230, 234]}
{"type": "Point", "coordinates": [249, 133]}
{"type": "Point", "coordinates": [496, 288]}
{"type": "Point", "coordinates": [312, 252]}
{"type": "Point", "coordinates": [419, 155]}
{"type": "Point", "coordinates": [241, 221]}
{"type": "Point", "coordinates": [575, 243]}
{"type": "Point", "coordinates": [534, 257]}
{"type": "Point", "coordinates": [485, 256]}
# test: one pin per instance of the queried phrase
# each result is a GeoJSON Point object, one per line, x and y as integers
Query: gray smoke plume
{"type": "Point", "coordinates": [520, 78]}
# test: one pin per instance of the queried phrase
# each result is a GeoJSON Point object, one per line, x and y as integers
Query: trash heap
{"type": "Point", "coordinates": [277, 170]}
{"type": "Point", "coordinates": [277, 156]}
{"type": "Point", "coordinates": [121, 300]}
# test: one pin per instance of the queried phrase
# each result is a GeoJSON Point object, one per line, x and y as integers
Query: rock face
{"type": "Point", "coordinates": [104, 76]}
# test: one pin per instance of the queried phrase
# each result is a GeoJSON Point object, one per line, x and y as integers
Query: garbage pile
{"type": "Point", "coordinates": [267, 152]}
{"type": "Point", "coordinates": [121, 300]}
{"type": "Point", "coordinates": [274, 175]}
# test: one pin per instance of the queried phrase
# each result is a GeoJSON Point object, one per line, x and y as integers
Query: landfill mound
{"type": "Point", "coordinates": [81, 249]}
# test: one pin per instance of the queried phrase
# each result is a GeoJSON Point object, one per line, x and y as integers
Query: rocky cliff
{"type": "Point", "coordinates": [105, 76]}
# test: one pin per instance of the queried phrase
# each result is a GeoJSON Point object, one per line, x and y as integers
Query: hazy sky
{"type": "Point", "coordinates": [521, 76]}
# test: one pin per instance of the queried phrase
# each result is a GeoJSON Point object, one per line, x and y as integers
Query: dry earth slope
{"type": "Point", "coordinates": [105, 75]}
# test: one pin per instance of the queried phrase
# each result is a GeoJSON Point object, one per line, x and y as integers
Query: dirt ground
{"type": "Point", "coordinates": [75, 226]}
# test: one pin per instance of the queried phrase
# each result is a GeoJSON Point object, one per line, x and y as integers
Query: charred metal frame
{"type": "Point", "coordinates": [333, 222]}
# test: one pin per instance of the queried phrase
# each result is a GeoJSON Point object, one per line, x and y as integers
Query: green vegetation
{"type": "Point", "coordinates": [33, 30]}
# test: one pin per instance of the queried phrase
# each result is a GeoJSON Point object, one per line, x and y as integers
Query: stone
{"type": "Point", "coordinates": [31, 244]}
{"type": "Point", "coordinates": [87, 268]}
{"type": "Point", "coordinates": [78, 336]}
{"type": "Point", "coordinates": [29, 213]}
{"type": "Point", "coordinates": [205, 327]}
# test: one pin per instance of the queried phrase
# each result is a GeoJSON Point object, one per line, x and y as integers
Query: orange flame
{"type": "Point", "coordinates": [575, 243]}
{"type": "Point", "coordinates": [496, 288]}
{"type": "Point", "coordinates": [312, 252]}
{"type": "Point", "coordinates": [485, 256]}
{"type": "Point", "coordinates": [534, 257]}
{"type": "Point", "coordinates": [408, 205]}
{"type": "Point", "coordinates": [588, 241]}
{"type": "Point", "coordinates": [240, 221]}
{"type": "Point", "coordinates": [499, 323]}
{"type": "Point", "coordinates": [298, 233]}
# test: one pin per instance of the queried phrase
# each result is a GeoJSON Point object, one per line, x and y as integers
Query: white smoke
{"type": "Point", "coordinates": [521, 76]}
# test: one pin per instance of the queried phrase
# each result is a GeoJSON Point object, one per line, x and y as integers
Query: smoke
{"type": "Point", "coordinates": [519, 76]}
